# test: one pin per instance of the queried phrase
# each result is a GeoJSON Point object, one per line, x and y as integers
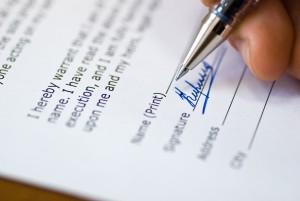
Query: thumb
{"type": "Point", "coordinates": [264, 39]}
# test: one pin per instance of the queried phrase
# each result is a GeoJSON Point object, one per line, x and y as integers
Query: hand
{"type": "Point", "coordinates": [269, 38]}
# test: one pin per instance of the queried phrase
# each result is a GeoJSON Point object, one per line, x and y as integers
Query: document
{"type": "Point", "coordinates": [89, 107]}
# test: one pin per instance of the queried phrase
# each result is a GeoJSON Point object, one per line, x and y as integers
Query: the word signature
{"type": "Point", "coordinates": [197, 89]}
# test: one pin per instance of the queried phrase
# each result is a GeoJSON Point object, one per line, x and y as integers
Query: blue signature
{"type": "Point", "coordinates": [197, 89]}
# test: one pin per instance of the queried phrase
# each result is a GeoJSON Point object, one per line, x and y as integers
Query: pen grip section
{"type": "Point", "coordinates": [231, 11]}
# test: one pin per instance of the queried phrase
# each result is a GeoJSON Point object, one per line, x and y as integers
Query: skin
{"type": "Point", "coordinates": [269, 38]}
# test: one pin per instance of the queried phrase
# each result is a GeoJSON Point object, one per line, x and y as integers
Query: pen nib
{"type": "Point", "coordinates": [182, 71]}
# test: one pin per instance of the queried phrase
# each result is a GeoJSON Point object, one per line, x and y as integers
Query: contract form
{"type": "Point", "coordinates": [89, 107]}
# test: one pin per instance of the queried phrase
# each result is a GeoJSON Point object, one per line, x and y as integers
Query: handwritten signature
{"type": "Point", "coordinates": [197, 89]}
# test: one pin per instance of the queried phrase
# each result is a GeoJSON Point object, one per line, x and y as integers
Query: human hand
{"type": "Point", "coordinates": [269, 38]}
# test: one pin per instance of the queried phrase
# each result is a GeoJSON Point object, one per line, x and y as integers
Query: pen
{"type": "Point", "coordinates": [214, 30]}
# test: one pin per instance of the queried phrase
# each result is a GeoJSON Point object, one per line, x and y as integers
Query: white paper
{"type": "Point", "coordinates": [88, 107]}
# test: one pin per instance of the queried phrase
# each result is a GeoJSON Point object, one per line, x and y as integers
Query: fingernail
{"type": "Point", "coordinates": [242, 46]}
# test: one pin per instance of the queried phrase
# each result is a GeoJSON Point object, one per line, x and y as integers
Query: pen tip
{"type": "Point", "coordinates": [182, 71]}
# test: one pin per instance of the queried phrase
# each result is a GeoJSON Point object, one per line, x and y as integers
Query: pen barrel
{"type": "Point", "coordinates": [232, 11]}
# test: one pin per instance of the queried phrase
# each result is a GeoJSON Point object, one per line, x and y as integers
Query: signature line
{"type": "Point", "coordinates": [258, 124]}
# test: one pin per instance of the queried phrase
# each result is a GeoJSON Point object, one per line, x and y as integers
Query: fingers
{"type": "Point", "coordinates": [210, 3]}
{"type": "Point", "coordinates": [269, 38]}
{"type": "Point", "coordinates": [294, 11]}
{"type": "Point", "coordinates": [265, 39]}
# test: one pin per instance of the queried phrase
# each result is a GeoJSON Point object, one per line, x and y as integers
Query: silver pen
{"type": "Point", "coordinates": [214, 30]}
